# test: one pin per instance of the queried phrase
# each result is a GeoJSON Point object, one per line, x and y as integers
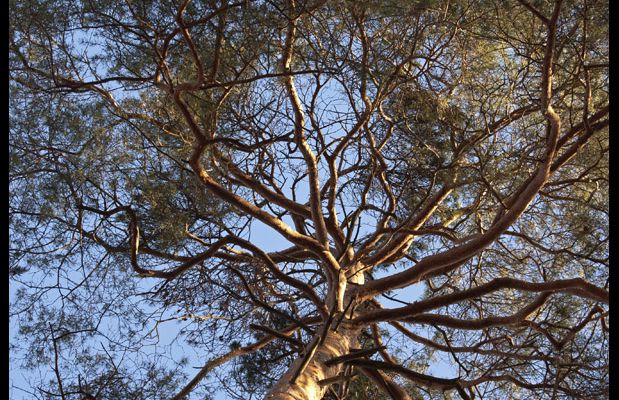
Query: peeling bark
{"type": "Point", "coordinates": [306, 386]}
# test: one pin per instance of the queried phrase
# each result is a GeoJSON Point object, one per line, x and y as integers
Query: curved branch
{"type": "Point", "coordinates": [215, 362]}
{"type": "Point", "coordinates": [482, 323]}
{"type": "Point", "coordinates": [308, 155]}
{"type": "Point", "coordinates": [520, 201]}
{"type": "Point", "coordinates": [585, 289]}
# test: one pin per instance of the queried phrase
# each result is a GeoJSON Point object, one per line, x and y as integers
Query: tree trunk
{"type": "Point", "coordinates": [306, 386]}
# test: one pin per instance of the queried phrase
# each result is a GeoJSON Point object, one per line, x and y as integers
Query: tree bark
{"type": "Point", "coordinates": [306, 386]}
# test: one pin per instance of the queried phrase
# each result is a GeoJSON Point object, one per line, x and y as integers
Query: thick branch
{"type": "Point", "coordinates": [586, 290]}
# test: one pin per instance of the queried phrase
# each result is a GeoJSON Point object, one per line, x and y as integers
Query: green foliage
{"type": "Point", "coordinates": [423, 120]}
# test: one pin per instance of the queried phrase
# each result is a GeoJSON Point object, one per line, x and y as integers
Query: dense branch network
{"type": "Point", "coordinates": [457, 149]}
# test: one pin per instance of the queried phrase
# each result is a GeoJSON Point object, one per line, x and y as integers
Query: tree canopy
{"type": "Point", "coordinates": [289, 199]}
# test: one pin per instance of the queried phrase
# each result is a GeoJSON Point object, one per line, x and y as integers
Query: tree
{"type": "Point", "coordinates": [454, 149]}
